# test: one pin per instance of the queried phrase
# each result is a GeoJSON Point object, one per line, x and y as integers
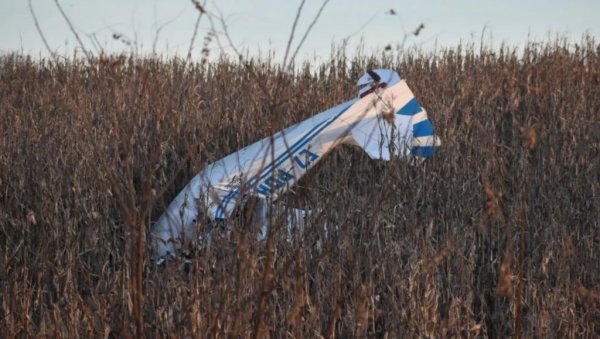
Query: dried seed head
{"type": "Point", "coordinates": [505, 287]}
{"type": "Point", "coordinates": [31, 217]}
{"type": "Point", "coordinates": [531, 139]}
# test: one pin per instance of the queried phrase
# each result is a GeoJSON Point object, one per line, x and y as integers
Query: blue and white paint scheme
{"type": "Point", "coordinates": [385, 120]}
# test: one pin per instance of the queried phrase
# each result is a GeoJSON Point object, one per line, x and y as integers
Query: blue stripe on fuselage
{"type": "Point", "coordinates": [282, 158]}
{"type": "Point", "coordinates": [423, 129]}
{"type": "Point", "coordinates": [411, 108]}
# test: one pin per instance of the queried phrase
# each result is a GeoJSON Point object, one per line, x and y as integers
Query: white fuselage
{"type": "Point", "coordinates": [272, 165]}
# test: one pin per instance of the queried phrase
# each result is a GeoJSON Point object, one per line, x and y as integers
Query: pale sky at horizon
{"type": "Point", "coordinates": [262, 25]}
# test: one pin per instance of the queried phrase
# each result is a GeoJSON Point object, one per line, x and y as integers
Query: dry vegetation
{"type": "Point", "coordinates": [495, 236]}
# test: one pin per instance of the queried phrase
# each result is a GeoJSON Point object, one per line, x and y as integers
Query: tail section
{"type": "Point", "coordinates": [401, 127]}
{"type": "Point", "coordinates": [424, 140]}
{"type": "Point", "coordinates": [377, 78]}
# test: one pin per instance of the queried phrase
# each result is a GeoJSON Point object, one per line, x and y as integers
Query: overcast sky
{"type": "Point", "coordinates": [262, 25]}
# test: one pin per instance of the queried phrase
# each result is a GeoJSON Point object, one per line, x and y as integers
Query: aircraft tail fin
{"type": "Point", "coordinates": [401, 127]}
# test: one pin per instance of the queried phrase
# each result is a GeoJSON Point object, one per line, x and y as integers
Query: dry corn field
{"type": "Point", "coordinates": [497, 235]}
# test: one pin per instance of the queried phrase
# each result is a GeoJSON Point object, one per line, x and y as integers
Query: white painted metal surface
{"type": "Point", "coordinates": [385, 120]}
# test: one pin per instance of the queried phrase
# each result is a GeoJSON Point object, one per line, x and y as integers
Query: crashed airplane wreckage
{"type": "Point", "coordinates": [385, 120]}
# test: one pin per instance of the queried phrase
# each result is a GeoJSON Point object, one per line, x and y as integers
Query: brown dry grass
{"type": "Point", "coordinates": [497, 235]}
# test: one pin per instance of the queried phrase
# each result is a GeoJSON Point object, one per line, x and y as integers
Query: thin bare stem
{"type": "Point", "coordinates": [289, 44]}
{"type": "Point", "coordinates": [201, 11]}
{"type": "Point", "coordinates": [72, 28]}
{"type": "Point", "coordinates": [40, 32]}
{"type": "Point", "coordinates": [310, 27]}
{"type": "Point", "coordinates": [161, 27]}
